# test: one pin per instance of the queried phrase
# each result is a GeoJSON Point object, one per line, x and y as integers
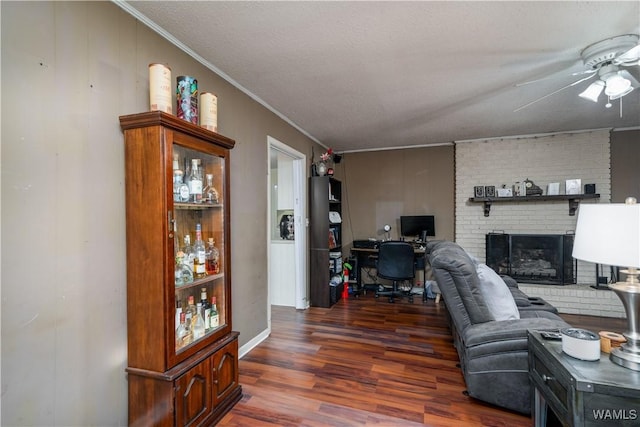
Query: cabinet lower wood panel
{"type": "Point", "coordinates": [197, 392]}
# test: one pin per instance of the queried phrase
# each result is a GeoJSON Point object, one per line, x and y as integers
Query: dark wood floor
{"type": "Point", "coordinates": [365, 362]}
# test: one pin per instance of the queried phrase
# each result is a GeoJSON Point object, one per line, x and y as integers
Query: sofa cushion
{"type": "Point", "coordinates": [496, 294]}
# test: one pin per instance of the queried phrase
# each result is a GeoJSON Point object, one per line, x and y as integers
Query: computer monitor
{"type": "Point", "coordinates": [417, 226]}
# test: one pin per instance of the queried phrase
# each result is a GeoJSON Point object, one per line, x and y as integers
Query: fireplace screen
{"type": "Point", "coordinates": [533, 258]}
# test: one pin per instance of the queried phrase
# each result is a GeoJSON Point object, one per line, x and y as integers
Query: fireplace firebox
{"type": "Point", "coordinates": [533, 258]}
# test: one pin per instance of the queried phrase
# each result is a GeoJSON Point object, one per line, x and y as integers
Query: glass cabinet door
{"type": "Point", "coordinates": [199, 243]}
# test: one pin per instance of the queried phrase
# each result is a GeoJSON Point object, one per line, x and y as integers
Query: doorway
{"type": "Point", "coordinates": [287, 235]}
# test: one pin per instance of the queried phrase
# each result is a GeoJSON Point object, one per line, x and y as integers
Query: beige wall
{"type": "Point", "coordinates": [380, 186]}
{"type": "Point", "coordinates": [69, 69]}
{"type": "Point", "coordinates": [625, 165]}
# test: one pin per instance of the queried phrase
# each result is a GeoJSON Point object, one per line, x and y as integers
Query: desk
{"type": "Point", "coordinates": [581, 393]}
{"type": "Point", "coordinates": [366, 258]}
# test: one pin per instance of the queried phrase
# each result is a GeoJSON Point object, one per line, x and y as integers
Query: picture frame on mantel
{"type": "Point", "coordinates": [573, 186]}
{"type": "Point", "coordinates": [553, 188]}
{"type": "Point", "coordinates": [505, 192]}
{"type": "Point", "coordinates": [490, 191]}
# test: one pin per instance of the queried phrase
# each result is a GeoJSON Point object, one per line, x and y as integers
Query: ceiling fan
{"type": "Point", "coordinates": [603, 59]}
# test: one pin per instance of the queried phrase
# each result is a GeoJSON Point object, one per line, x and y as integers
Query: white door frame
{"type": "Point", "coordinates": [300, 223]}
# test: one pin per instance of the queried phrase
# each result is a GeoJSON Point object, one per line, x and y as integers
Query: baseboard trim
{"type": "Point", "coordinates": [254, 342]}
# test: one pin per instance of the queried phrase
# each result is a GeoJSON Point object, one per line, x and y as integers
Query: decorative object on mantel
{"type": "Point", "coordinates": [478, 191]}
{"type": "Point", "coordinates": [589, 189]}
{"type": "Point", "coordinates": [573, 186]}
{"type": "Point", "coordinates": [516, 189]}
{"type": "Point", "coordinates": [504, 191]}
{"type": "Point", "coordinates": [553, 188]}
{"type": "Point", "coordinates": [490, 191]}
{"type": "Point", "coordinates": [610, 234]}
{"type": "Point", "coordinates": [531, 189]}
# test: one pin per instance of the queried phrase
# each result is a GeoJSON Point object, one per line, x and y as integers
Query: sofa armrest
{"type": "Point", "coordinates": [510, 281]}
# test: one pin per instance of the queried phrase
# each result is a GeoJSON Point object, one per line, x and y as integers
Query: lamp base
{"type": "Point", "coordinates": [628, 354]}
{"type": "Point", "coordinates": [626, 358]}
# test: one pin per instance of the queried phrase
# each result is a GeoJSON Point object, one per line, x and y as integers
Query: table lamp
{"type": "Point", "coordinates": [610, 234]}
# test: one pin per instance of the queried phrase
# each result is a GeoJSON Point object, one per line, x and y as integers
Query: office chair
{"type": "Point", "coordinates": [395, 263]}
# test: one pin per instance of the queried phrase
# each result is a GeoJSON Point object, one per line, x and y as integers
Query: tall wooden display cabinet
{"type": "Point", "coordinates": [190, 381]}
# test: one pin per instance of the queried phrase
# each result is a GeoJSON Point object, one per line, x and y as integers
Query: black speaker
{"type": "Point", "coordinates": [589, 189]}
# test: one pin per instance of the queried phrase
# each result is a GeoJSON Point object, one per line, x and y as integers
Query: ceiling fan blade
{"type": "Point", "coordinates": [553, 93]}
{"type": "Point", "coordinates": [630, 57]}
{"type": "Point", "coordinates": [578, 73]}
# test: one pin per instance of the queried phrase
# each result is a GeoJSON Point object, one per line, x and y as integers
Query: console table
{"type": "Point", "coordinates": [581, 393]}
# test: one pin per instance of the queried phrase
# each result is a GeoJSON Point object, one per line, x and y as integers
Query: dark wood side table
{"type": "Point", "coordinates": [581, 393]}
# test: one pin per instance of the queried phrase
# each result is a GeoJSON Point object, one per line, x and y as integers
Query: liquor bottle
{"type": "Point", "coordinates": [209, 193]}
{"type": "Point", "coordinates": [198, 326]}
{"type": "Point", "coordinates": [178, 313]}
{"type": "Point", "coordinates": [195, 182]}
{"type": "Point", "coordinates": [177, 178]}
{"type": "Point", "coordinates": [191, 310]}
{"type": "Point", "coordinates": [214, 316]}
{"type": "Point", "coordinates": [200, 257]}
{"type": "Point", "coordinates": [180, 190]}
{"type": "Point", "coordinates": [186, 172]}
{"type": "Point", "coordinates": [206, 309]}
{"type": "Point", "coordinates": [183, 333]}
{"type": "Point", "coordinates": [213, 258]}
{"type": "Point", "coordinates": [189, 254]}
{"type": "Point", "coordinates": [183, 274]}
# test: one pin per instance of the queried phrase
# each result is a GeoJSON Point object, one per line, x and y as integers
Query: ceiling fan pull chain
{"type": "Point", "coordinates": [620, 107]}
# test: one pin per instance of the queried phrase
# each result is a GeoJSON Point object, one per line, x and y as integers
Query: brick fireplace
{"type": "Point", "coordinates": [543, 159]}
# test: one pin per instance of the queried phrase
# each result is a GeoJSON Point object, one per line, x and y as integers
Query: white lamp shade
{"type": "Point", "coordinates": [593, 91]}
{"type": "Point", "coordinates": [608, 234]}
{"type": "Point", "coordinates": [617, 86]}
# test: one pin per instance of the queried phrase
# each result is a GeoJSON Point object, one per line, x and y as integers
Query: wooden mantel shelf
{"type": "Point", "coordinates": [573, 199]}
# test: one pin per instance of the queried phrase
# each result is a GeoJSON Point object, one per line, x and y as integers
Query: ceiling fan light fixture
{"type": "Point", "coordinates": [621, 94]}
{"type": "Point", "coordinates": [593, 91]}
{"type": "Point", "coordinates": [617, 86]}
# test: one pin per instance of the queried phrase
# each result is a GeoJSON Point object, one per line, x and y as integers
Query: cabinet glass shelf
{"type": "Point", "coordinates": [196, 206]}
{"type": "Point", "coordinates": [201, 282]}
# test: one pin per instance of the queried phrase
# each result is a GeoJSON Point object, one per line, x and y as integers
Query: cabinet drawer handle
{"type": "Point", "coordinates": [546, 379]}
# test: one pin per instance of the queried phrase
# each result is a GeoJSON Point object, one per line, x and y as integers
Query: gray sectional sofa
{"type": "Point", "coordinates": [489, 319]}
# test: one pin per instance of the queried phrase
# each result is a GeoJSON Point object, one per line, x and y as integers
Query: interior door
{"type": "Point", "coordinates": [287, 226]}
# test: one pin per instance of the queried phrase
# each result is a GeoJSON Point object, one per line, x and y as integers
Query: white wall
{"type": "Point", "coordinates": [542, 159]}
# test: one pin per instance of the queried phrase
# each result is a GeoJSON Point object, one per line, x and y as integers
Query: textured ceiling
{"type": "Point", "coordinates": [370, 75]}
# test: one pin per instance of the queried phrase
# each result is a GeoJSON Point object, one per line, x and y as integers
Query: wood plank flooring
{"type": "Point", "coordinates": [364, 362]}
